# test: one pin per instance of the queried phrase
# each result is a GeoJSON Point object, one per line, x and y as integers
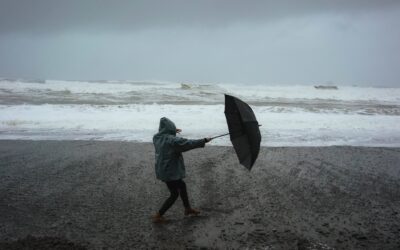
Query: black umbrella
{"type": "Point", "coordinates": [243, 130]}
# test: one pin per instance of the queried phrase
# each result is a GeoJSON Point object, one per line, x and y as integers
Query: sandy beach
{"type": "Point", "coordinates": [100, 195]}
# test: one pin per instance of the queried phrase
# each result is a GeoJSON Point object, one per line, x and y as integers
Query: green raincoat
{"type": "Point", "coordinates": [169, 148]}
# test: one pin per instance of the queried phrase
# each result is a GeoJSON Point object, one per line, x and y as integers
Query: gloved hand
{"type": "Point", "coordinates": [207, 139]}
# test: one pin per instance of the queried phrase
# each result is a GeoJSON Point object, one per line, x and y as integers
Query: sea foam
{"type": "Point", "coordinates": [130, 110]}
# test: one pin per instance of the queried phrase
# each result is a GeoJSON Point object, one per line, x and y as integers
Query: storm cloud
{"type": "Point", "coordinates": [272, 42]}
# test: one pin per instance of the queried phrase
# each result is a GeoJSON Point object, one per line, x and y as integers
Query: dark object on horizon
{"type": "Point", "coordinates": [244, 130]}
{"type": "Point", "coordinates": [325, 87]}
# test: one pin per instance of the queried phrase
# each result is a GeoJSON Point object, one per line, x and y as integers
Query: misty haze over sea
{"type": "Point", "coordinates": [286, 42]}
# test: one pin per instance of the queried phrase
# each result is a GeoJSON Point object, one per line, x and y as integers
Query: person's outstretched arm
{"type": "Point", "coordinates": [183, 144]}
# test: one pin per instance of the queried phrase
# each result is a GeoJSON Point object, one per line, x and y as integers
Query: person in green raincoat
{"type": "Point", "coordinates": [170, 167]}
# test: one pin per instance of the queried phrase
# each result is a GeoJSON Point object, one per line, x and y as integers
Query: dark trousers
{"type": "Point", "coordinates": [176, 188]}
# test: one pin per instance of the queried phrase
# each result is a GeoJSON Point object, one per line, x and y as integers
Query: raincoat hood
{"type": "Point", "coordinates": [166, 127]}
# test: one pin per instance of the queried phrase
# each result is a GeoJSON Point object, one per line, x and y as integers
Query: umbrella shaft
{"type": "Point", "coordinates": [226, 134]}
{"type": "Point", "coordinates": [219, 136]}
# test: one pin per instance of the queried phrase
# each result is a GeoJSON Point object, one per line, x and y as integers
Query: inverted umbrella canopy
{"type": "Point", "coordinates": [244, 130]}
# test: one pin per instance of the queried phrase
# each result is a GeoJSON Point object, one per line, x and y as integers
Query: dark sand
{"type": "Point", "coordinates": [100, 195]}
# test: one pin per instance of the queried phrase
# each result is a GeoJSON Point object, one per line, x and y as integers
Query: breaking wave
{"type": "Point", "coordinates": [130, 110]}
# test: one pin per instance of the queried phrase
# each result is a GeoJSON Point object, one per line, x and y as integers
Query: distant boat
{"type": "Point", "coordinates": [325, 87]}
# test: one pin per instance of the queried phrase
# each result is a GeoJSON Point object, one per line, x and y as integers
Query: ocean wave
{"type": "Point", "coordinates": [130, 110]}
{"type": "Point", "coordinates": [138, 122]}
{"type": "Point", "coordinates": [249, 92]}
{"type": "Point", "coordinates": [346, 100]}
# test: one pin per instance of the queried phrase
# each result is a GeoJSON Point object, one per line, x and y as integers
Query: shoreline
{"type": "Point", "coordinates": [394, 146]}
{"type": "Point", "coordinates": [100, 194]}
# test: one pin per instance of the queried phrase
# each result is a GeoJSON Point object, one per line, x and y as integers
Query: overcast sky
{"type": "Point", "coordinates": [265, 42]}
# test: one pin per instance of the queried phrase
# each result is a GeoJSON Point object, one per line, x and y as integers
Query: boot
{"type": "Point", "coordinates": [158, 218]}
{"type": "Point", "coordinates": [191, 211]}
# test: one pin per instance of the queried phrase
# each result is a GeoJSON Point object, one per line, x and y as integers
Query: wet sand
{"type": "Point", "coordinates": [100, 195]}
